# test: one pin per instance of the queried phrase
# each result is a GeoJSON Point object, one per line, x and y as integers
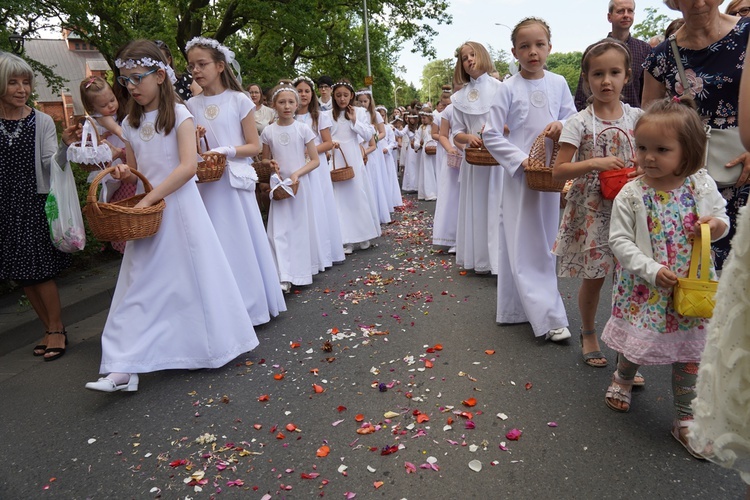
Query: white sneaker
{"type": "Point", "coordinates": [558, 334]}
{"type": "Point", "coordinates": [348, 249]}
{"type": "Point", "coordinates": [105, 384]}
{"type": "Point", "coordinates": [286, 286]}
{"type": "Point", "coordinates": [452, 250]}
{"type": "Point", "coordinates": [365, 245]}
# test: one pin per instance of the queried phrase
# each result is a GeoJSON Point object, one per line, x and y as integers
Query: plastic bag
{"type": "Point", "coordinates": [64, 210]}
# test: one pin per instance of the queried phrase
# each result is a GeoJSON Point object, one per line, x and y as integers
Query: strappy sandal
{"type": "Point", "coordinates": [639, 380]}
{"type": "Point", "coordinates": [683, 440]}
{"type": "Point", "coordinates": [40, 347]}
{"type": "Point", "coordinates": [621, 392]}
{"type": "Point", "coordinates": [589, 357]}
{"type": "Point", "coordinates": [56, 351]}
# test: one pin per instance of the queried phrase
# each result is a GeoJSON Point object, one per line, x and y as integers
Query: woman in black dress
{"type": "Point", "coordinates": [28, 140]}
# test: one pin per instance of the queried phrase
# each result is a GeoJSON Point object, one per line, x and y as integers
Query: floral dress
{"type": "Point", "coordinates": [714, 73]}
{"type": "Point", "coordinates": [644, 324]}
{"type": "Point", "coordinates": [582, 246]}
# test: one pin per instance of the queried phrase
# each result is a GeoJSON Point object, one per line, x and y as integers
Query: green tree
{"type": "Point", "coordinates": [654, 24]}
{"type": "Point", "coordinates": [567, 64]}
{"type": "Point", "coordinates": [435, 74]}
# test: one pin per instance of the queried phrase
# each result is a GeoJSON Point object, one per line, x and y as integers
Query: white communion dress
{"type": "Point", "coordinates": [446, 209]}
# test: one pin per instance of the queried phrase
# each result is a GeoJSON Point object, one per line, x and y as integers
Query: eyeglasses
{"type": "Point", "coordinates": [199, 65]}
{"type": "Point", "coordinates": [743, 12]}
{"type": "Point", "coordinates": [135, 79]}
{"type": "Point", "coordinates": [324, 86]}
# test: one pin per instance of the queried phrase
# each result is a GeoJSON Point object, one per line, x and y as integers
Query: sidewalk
{"type": "Point", "coordinates": [83, 294]}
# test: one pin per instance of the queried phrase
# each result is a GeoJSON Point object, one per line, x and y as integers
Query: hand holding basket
{"type": "Point", "coordinates": [344, 173]}
{"type": "Point", "coordinates": [538, 172]}
{"type": "Point", "coordinates": [212, 167]}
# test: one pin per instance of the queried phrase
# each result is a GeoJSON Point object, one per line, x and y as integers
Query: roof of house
{"type": "Point", "coordinates": [70, 65]}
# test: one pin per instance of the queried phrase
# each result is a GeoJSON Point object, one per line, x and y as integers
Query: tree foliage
{"type": "Point", "coordinates": [567, 64]}
{"type": "Point", "coordinates": [654, 24]}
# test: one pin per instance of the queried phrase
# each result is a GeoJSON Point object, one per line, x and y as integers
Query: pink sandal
{"type": "Point", "coordinates": [682, 424]}
{"type": "Point", "coordinates": [620, 392]}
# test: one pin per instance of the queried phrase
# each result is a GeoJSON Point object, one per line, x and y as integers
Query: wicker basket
{"type": "Point", "coordinates": [344, 173]}
{"type": "Point", "coordinates": [212, 167]}
{"type": "Point", "coordinates": [454, 160]}
{"type": "Point", "coordinates": [430, 150]}
{"type": "Point", "coordinates": [119, 221]}
{"type": "Point", "coordinates": [264, 170]}
{"type": "Point", "coordinates": [538, 173]}
{"type": "Point", "coordinates": [93, 167]}
{"type": "Point", "coordinates": [281, 194]}
{"type": "Point", "coordinates": [480, 157]}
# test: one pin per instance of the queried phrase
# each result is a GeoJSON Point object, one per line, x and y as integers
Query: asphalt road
{"type": "Point", "coordinates": [416, 337]}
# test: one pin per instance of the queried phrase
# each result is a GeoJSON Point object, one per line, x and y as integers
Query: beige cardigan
{"type": "Point", "coordinates": [45, 145]}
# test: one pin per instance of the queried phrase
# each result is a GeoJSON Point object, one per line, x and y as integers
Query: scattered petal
{"type": "Point", "coordinates": [377, 484]}
{"type": "Point", "coordinates": [529, 385]}
{"type": "Point", "coordinates": [359, 417]}
{"type": "Point", "coordinates": [390, 414]}
{"type": "Point", "coordinates": [475, 465]}
{"type": "Point", "coordinates": [262, 398]}
{"type": "Point", "coordinates": [410, 467]}
{"type": "Point", "coordinates": [502, 416]}
{"type": "Point", "coordinates": [513, 434]}
{"type": "Point", "coordinates": [469, 402]}
{"type": "Point", "coordinates": [318, 389]}
{"type": "Point", "coordinates": [489, 352]}
{"type": "Point", "coordinates": [552, 424]}
{"type": "Point", "coordinates": [323, 451]}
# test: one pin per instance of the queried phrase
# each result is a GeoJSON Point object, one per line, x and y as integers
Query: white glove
{"type": "Point", "coordinates": [229, 151]}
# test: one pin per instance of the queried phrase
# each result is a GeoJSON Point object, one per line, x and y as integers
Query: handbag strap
{"type": "Point", "coordinates": [680, 68]}
{"type": "Point", "coordinates": [701, 252]}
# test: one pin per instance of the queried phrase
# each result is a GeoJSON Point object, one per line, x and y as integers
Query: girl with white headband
{"type": "Point", "coordinates": [410, 179]}
{"type": "Point", "coordinates": [427, 183]}
{"type": "Point", "coordinates": [389, 145]}
{"type": "Point", "coordinates": [176, 304]}
{"type": "Point", "coordinates": [292, 228]}
{"type": "Point", "coordinates": [354, 198]}
{"type": "Point", "coordinates": [225, 115]}
{"type": "Point", "coordinates": [327, 218]}
{"type": "Point", "coordinates": [375, 161]}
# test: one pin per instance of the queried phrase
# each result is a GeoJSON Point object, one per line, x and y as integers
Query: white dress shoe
{"type": "Point", "coordinates": [348, 249]}
{"type": "Point", "coordinates": [286, 286]}
{"type": "Point", "coordinates": [558, 334]}
{"type": "Point", "coordinates": [105, 384]}
{"type": "Point", "coordinates": [364, 245]}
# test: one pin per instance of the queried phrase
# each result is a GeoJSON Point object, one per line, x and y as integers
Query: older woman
{"type": "Point", "coordinates": [263, 114]}
{"type": "Point", "coordinates": [739, 8]}
{"type": "Point", "coordinates": [712, 47]}
{"type": "Point", "coordinates": [28, 141]}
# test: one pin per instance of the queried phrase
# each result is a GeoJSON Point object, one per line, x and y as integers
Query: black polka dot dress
{"type": "Point", "coordinates": [26, 250]}
{"type": "Point", "coordinates": [182, 86]}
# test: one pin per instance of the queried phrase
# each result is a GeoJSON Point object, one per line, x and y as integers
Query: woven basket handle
{"type": "Point", "coordinates": [346, 163]}
{"type": "Point", "coordinates": [701, 252]}
{"type": "Point", "coordinates": [91, 197]}
{"type": "Point", "coordinates": [627, 136]}
{"type": "Point", "coordinates": [540, 147]}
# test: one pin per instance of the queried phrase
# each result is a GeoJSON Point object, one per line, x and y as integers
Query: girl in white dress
{"type": "Point", "coordinates": [226, 115]}
{"type": "Point", "coordinates": [326, 217]}
{"type": "Point", "coordinates": [292, 229]}
{"type": "Point", "coordinates": [478, 203]}
{"type": "Point", "coordinates": [354, 198]}
{"type": "Point", "coordinates": [445, 223]}
{"type": "Point", "coordinates": [427, 184]}
{"type": "Point", "coordinates": [531, 102]}
{"type": "Point", "coordinates": [410, 180]}
{"type": "Point", "coordinates": [176, 304]}
{"type": "Point", "coordinates": [389, 145]}
{"type": "Point", "coordinates": [375, 160]}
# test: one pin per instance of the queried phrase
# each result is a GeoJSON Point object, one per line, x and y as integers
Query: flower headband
{"type": "Point", "coordinates": [380, 106]}
{"type": "Point", "coordinates": [343, 84]}
{"type": "Point", "coordinates": [228, 54]}
{"type": "Point", "coordinates": [285, 89]}
{"type": "Point", "coordinates": [147, 62]}
{"type": "Point", "coordinates": [363, 92]}
{"type": "Point", "coordinates": [305, 79]}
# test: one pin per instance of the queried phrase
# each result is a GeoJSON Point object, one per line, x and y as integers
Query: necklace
{"type": "Point", "coordinates": [15, 134]}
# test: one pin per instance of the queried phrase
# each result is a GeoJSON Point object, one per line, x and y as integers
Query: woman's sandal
{"type": "Point", "coordinates": [683, 440]}
{"type": "Point", "coordinates": [39, 349]}
{"type": "Point", "coordinates": [639, 380]}
{"type": "Point", "coordinates": [620, 392]}
{"type": "Point", "coordinates": [589, 357]}
{"type": "Point", "coordinates": [56, 351]}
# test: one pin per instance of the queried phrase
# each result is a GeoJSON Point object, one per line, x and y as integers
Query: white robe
{"type": "Point", "coordinates": [527, 281]}
{"type": "Point", "coordinates": [234, 212]}
{"type": "Point", "coordinates": [410, 181]}
{"type": "Point", "coordinates": [446, 209]}
{"type": "Point", "coordinates": [176, 303]}
{"type": "Point", "coordinates": [391, 171]}
{"type": "Point", "coordinates": [376, 170]}
{"type": "Point", "coordinates": [427, 183]}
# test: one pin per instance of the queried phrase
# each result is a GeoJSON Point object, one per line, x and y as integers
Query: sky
{"type": "Point", "coordinates": [574, 24]}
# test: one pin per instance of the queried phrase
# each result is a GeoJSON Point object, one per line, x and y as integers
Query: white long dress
{"type": "Point", "coordinates": [477, 235]}
{"type": "Point", "coordinates": [292, 229]}
{"type": "Point", "coordinates": [326, 217]}
{"type": "Point", "coordinates": [410, 181]}
{"type": "Point", "coordinates": [376, 169]}
{"type": "Point", "coordinates": [176, 303]}
{"type": "Point", "coordinates": [234, 212]}
{"type": "Point", "coordinates": [721, 405]}
{"type": "Point", "coordinates": [391, 169]}
{"type": "Point", "coordinates": [446, 209]}
{"type": "Point", "coordinates": [527, 281]}
{"type": "Point", "coordinates": [427, 183]}
{"type": "Point", "coordinates": [354, 198]}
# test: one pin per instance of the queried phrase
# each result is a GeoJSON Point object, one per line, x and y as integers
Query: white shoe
{"type": "Point", "coordinates": [105, 384]}
{"type": "Point", "coordinates": [452, 250]}
{"type": "Point", "coordinates": [558, 334]}
{"type": "Point", "coordinates": [431, 198]}
{"type": "Point", "coordinates": [286, 286]}
{"type": "Point", "coordinates": [365, 245]}
{"type": "Point", "coordinates": [348, 249]}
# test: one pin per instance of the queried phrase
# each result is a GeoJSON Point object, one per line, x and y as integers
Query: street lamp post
{"type": "Point", "coordinates": [16, 43]}
{"type": "Point", "coordinates": [367, 46]}
{"type": "Point", "coordinates": [395, 91]}
{"type": "Point", "coordinates": [429, 87]}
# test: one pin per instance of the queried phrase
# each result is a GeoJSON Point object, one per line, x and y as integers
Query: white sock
{"type": "Point", "coordinates": [119, 378]}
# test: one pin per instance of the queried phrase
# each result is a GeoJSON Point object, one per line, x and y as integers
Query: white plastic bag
{"type": "Point", "coordinates": [64, 210]}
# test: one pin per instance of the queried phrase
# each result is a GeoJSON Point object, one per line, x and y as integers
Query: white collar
{"type": "Point", "coordinates": [477, 97]}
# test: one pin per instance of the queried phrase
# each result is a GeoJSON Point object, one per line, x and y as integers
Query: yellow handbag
{"type": "Point", "coordinates": [695, 296]}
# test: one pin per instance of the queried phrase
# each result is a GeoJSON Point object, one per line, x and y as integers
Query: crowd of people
{"type": "Point", "coordinates": [216, 270]}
